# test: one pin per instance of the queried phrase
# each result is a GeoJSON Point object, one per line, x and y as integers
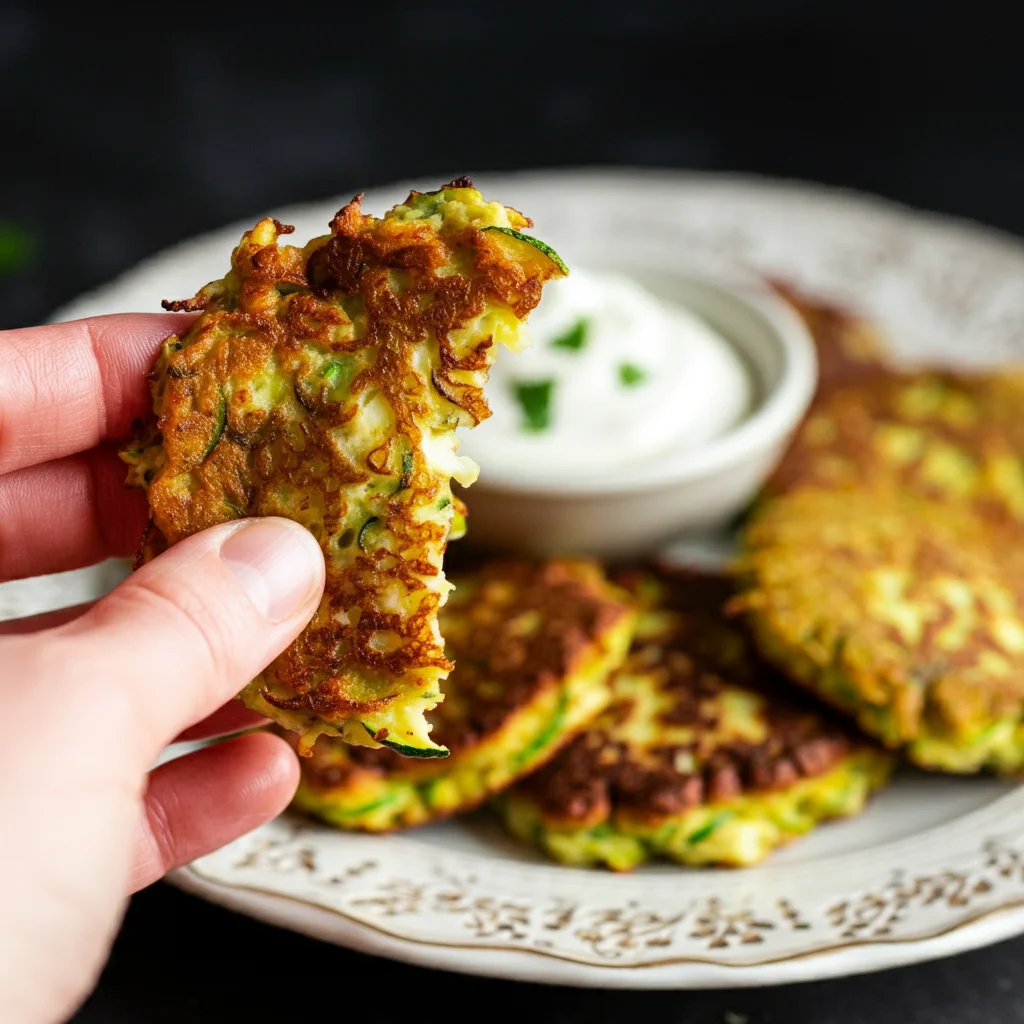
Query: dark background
{"type": "Point", "coordinates": [128, 128]}
{"type": "Point", "coordinates": [125, 129]}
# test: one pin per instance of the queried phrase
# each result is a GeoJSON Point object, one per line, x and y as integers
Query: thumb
{"type": "Point", "coordinates": [188, 630]}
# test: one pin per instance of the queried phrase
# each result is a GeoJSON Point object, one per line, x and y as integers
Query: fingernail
{"type": "Point", "coordinates": [278, 564]}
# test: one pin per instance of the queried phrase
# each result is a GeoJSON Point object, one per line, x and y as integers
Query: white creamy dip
{"type": "Point", "coordinates": [614, 376]}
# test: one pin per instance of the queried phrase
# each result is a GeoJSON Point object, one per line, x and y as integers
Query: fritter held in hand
{"type": "Point", "coordinates": [701, 757]}
{"type": "Point", "coordinates": [906, 612]}
{"type": "Point", "coordinates": [533, 646]}
{"type": "Point", "coordinates": [324, 384]}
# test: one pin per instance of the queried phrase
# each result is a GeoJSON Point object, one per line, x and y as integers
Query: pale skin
{"type": "Point", "coordinates": [92, 695]}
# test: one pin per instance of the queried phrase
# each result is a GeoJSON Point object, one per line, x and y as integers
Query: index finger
{"type": "Point", "coordinates": [64, 388]}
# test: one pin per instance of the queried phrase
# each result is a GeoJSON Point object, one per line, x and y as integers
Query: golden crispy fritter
{"type": "Point", "coordinates": [906, 612]}
{"type": "Point", "coordinates": [703, 755]}
{"type": "Point", "coordinates": [953, 436]}
{"type": "Point", "coordinates": [944, 434]}
{"type": "Point", "coordinates": [324, 384]}
{"type": "Point", "coordinates": [881, 557]}
{"type": "Point", "coordinates": [533, 646]}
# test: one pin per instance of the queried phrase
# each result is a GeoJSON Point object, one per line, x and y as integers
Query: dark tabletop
{"type": "Point", "coordinates": [125, 132]}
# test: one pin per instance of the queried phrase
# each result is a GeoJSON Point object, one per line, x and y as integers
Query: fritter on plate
{"type": "Point", "coordinates": [702, 756]}
{"type": "Point", "coordinates": [533, 645]}
{"type": "Point", "coordinates": [324, 384]}
{"type": "Point", "coordinates": [904, 611]}
{"type": "Point", "coordinates": [952, 436]}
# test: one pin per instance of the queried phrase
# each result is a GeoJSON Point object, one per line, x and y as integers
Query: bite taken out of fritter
{"type": "Point", "coordinates": [906, 612]}
{"type": "Point", "coordinates": [533, 645]}
{"type": "Point", "coordinates": [324, 384]}
{"type": "Point", "coordinates": [703, 756]}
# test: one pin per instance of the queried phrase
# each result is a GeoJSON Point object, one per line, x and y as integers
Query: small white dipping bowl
{"type": "Point", "coordinates": [656, 500]}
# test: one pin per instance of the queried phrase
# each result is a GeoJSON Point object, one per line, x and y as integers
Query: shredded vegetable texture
{"type": "Point", "coordinates": [324, 384]}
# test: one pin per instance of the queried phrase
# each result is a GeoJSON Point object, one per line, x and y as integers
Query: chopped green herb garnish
{"type": "Point", "coordinates": [574, 338]}
{"type": "Point", "coordinates": [443, 503]}
{"type": "Point", "coordinates": [630, 375]}
{"type": "Point", "coordinates": [534, 398]}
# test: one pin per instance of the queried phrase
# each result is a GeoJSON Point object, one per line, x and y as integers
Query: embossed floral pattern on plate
{"type": "Point", "coordinates": [448, 899]}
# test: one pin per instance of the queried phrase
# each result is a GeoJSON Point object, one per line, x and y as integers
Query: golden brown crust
{"type": "Point", "coordinates": [940, 435]}
{"type": "Point", "coordinates": [905, 611]}
{"type": "Point", "coordinates": [516, 630]}
{"type": "Point", "coordinates": [697, 656]}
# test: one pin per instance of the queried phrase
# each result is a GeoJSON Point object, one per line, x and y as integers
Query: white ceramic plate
{"type": "Point", "coordinates": [934, 867]}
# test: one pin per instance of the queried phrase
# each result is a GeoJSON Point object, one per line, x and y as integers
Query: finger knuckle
{"type": "Point", "coordinates": [160, 824]}
{"type": "Point", "coordinates": [202, 631]}
{"type": "Point", "coordinates": [19, 388]}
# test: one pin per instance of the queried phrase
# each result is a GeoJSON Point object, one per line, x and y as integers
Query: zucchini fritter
{"type": "Point", "coordinates": [533, 646]}
{"type": "Point", "coordinates": [906, 612]}
{"type": "Point", "coordinates": [324, 384]}
{"type": "Point", "coordinates": [701, 757]}
{"type": "Point", "coordinates": [952, 436]}
{"type": "Point", "coordinates": [881, 559]}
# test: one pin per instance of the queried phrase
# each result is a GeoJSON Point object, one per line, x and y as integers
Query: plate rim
{"type": "Point", "coordinates": [842, 959]}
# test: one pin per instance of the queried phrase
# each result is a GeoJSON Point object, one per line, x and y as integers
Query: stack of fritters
{"type": "Point", "coordinates": [533, 645]}
{"type": "Point", "coordinates": [882, 569]}
{"type": "Point", "coordinates": [702, 755]}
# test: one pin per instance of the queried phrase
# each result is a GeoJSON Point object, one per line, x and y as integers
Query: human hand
{"type": "Point", "coordinates": [92, 695]}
